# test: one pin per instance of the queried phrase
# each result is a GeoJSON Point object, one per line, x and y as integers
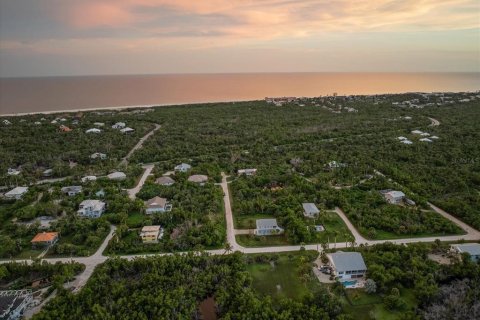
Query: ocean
{"type": "Point", "coordinates": [47, 94]}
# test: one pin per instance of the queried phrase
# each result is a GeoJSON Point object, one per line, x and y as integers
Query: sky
{"type": "Point", "coordinates": [84, 37]}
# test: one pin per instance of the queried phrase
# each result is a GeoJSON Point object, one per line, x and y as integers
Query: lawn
{"type": "Point", "coordinates": [135, 220]}
{"type": "Point", "coordinates": [248, 221]}
{"type": "Point", "coordinates": [29, 253]}
{"type": "Point", "coordinates": [281, 279]}
{"type": "Point", "coordinates": [263, 241]}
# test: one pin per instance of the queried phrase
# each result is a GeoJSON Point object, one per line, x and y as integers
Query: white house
{"type": "Point", "coordinates": [334, 164]}
{"type": "Point", "coordinates": [16, 193]}
{"type": "Point", "coordinates": [157, 204]}
{"type": "Point", "coordinates": [117, 176]}
{"type": "Point", "coordinates": [347, 265]}
{"type": "Point", "coordinates": [310, 210]}
{"type": "Point", "coordinates": [72, 190]}
{"type": "Point", "coordinates": [425, 134]}
{"type": "Point", "coordinates": [151, 234]}
{"type": "Point", "coordinates": [13, 172]}
{"type": "Point", "coordinates": [434, 137]}
{"type": "Point", "coordinates": [473, 249]}
{"type": "Point", "coordinates": [406, 141]}
{"type": "Point", "coordinates": [6, 122]}
{"type": "Point", "coordinates": [394, 197]}
{"type": "Point", "coordinates": [98, 155]}
{"type": "Point", "coordinates": [183, 167]}
{"type": "Point", "coordinates": [93, 130]}
{"type": "Point", "coordinates": [119, 125]}
{"type": "Point", "coordinates": [267, 227]}
{"type": "Point", "coordinates": [88, 178]}
{"type": "Point", "coordinates": [91, 208]}
{"type": "Point", "coordinates": [425, 140]}
{"type": "Point", "coordinates": [247, 172]}
{"type": "Point", "coordinates": [99, 124]}
{"type": "Point", "coordinates": [402, 138]}
{"type": "Point", "coordinates": [417, 132]}
{"type": "Point", "coordinates": [127, 130]}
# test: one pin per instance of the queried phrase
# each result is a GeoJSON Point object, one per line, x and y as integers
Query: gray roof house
{"type": "Point", "coordinates": [165, 181]}
{"type": "Point", "coordinates": [473, 249]}
{"type": "Point", "coordinates": [267, 227]}
{"type": "Point", "coordinates": [183, 167]}
{"type": "Point", "coordinates": [347, 265]}
{"type": "Point", "coordinates": [394, 197]}
{"type": "Point", "coordinates": [310, 210]}
{"type": "Point", "coordinates": [72, 190]}
{"type": "Point", "coordinates": [117, 176]}
{"type": "Point", "coordinates": [157, 204]}
{"type": "Point", "coordinates": [16, 193]}
{"type": "Point", "coordinates": [198, 178]}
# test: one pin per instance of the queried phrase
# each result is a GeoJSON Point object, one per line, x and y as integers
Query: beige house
{"type": "Point", "coordinates": [151, 234]}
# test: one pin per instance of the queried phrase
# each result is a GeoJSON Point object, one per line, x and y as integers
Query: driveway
{"type": "Point", "coordinates": [139, 144]}
{"type": "Point", "coordinates": [132, 193]}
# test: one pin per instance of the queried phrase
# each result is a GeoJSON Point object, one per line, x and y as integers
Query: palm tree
{"type": "Point", "coordinates": [228, 248]}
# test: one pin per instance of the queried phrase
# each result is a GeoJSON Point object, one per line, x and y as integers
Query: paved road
{"type": "Point", "coordinates": [139, 144]}
{"type": "Point", "coordinates": [132, 193]}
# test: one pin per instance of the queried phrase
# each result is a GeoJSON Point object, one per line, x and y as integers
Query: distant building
{"type": "Point", "coordinates": [394, 197]}
{"type": "Point", "coordinates": [247, 172]}
{"type": "Point", "coordinates": [13, 303]}
{"type": "Point", "coordinates": [347, 265]}
{"type": "Point", "coordinates": [406, 141]}
{"type": "Point", "coordinates": [267, 227]}
{"type": "Point", "coordinates": [127, 130]}
{"type": "Point", "coordinates": [99, 124]}
{"type": "Point", "coordinates": [434, 137]}
{"type": "Point", "coordinates": [98, 155]}
{"type": "Point", "coordinates": [44, 239]}
{"type": "Point", "coordinates": [157, 204]}
{"type": "Point", "coordinates": [151, 234]}
{"type": "Point", "coordinates": [93, 130]}
{"type": "Point", "coordinates": [72, 190]}
{"type": "Point", "coordinates": [165, 181]}
{"type": "Point", "coordinates": [88, 178]}
{"type": "Point", "coordinates": [473, 249]}
{"type": "Point", "coordinates": [334, 164]}
{"type": "Point", "coordinates": [119, 125]}
{"type": "Point", "coordinates": [198, 178]}
{"type": "Point", "coordinates": [310, 210]}
{"type": "Point", "coordinates": [91, 208]}
{"type": "Point", "coordinates": [402, 138]}
{"type": "Point", "coordinates": [6, 122]}
{"type": "Point", "coordinates": [13, 172]}
{"type": "Point", "coordinates": [425, 140]}
{"type": "Point", "coordinates": [117, 176]}
{"type": "Point", "coordinates": [48, 173]}
{"type": "Point", "coordinates": [183, 167]}
{"type": "Point", "coordinates": [16, 193]}
{"type": "Point", "coordinates": [417, 132]}
{"type": "Point", "coordinates": [64, 128]}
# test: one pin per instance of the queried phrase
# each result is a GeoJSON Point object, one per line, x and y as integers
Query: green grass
{"type": "Point", "coordinates": [248, 221]}
{"type": "Point", "coordinates": [263, 241]}
{"type": "Point", "coordinates": [385, 235]}
{"type": "Point", "coordinates": [332, 223]}
{"type": "Point", "coordinates": [135, 220]}
{"type": "Point", "coordinates": [283, 274]}
{"type": "Point", "coordinates": [29, 253]}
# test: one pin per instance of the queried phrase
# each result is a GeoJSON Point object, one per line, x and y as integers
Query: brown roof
{"type": "Point", "coordinates": [156, 202]}
{"type": "Point", "coordinates": [151, 228]}
{"type": "Point", "coordinates": [198, 178]}
{"type": "Point", "coordinates": [45, 237]}
{"type": "Point", "coordinates": [164, 180]}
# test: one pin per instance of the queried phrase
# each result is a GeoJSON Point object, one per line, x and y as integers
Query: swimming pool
{"type": "Point", "coordinates": [349, 283]}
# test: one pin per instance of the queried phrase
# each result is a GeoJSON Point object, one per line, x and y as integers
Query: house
{"type": "Point", "coordinates": [44, 239]}
{"type": "Point", "coordinates": [347, 265]}
{"type": "Point", "coordinates": [319, 228]}
{"type": "Point", "coordinates": [88, 178]}
{"type": "Point", "coordinates": [406, 141]}
{"type": "Point", "coordinates": [157, 204]}
{"type": "Point", "coordinates": [48, 173]}
{"type": "Point", "coordinates": [127, 130]}
{"type": "Point", "coordinates": [310, 210]}
{"type": "Point", "coordinates": [183, 167]}
{"type": "Point", "coordinates": [335, 164]}
{"type": "Point", "coordinates": [16, 193]}
{"type": "Point", "coordinates": [394, 197]}
{"type": "Point", "coordinates": [100, 193]}
{"type": "Point", "coordinates": [425, 140]}
{"type": "Point", "coordinates": [13, 172]}
{"type": "Point", "coordinates": [473, 249]}
{"type": "Point", "coordinates": [425, 134]}
{"type": "Point", "coordinates": [72, 190]}
{"type": "Point", "coordinates": [98, 155]}
{"type": "Point", "coordinates": [417, 132]}
{"type": "Point", "coordinates": [267, 227]}
{"type": "Point", "coordinates": [117, 176]}
{"type": "Point", "coordinates": [198, 178]}
{"type": "Point", "coordinates": [13, 303]}
{"type": "Point", "coordinates": [119, 125]}
{"type": "Point", "coordinates": [93, 130]}
{"type": "Point", "coordinates": [6, 122]}
{"type": "Point", "coordinates": [434, 137]}
{"type": "Point", "coordinates": [165, 181]}
{"type": "Point", "coordinates": [402, 138]}
{"type": "Point", "coordinates": [99, 124]}
{"type": "Point", "coordinates": [151, 234]}
{"type": "Point", "coordinates": [91, 208]}
{"type": "Point", "coordinates": [247, 172]}
{"type": "Point", "coordinates": [64, 128]}
{"type": "Point", "coordinates": [37, 123]}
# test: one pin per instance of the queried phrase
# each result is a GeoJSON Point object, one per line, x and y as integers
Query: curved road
{"type": "Point", "coordinates": [139, 144]}
{"type": "Point", "coordinates": [434, 123]}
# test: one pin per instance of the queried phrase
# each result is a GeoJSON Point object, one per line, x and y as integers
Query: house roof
{"type": "Point", "coordinates": [95, 204]}
{"type": "Point", "coordinates": [17, 191]}
{"type": "Point", "coordinates": [72, 189]}
{"type": "Point", "coordinates": [310, 208]}
{"type": "Point", "coordinates": [45, 237]}
{"type": "Point", "coordinates": [183, 165]}
{"type": "Point", "coordinates": [198, 178]}
{"type": "Point", "coordinates": [396, 194]}
{"type": "Point", "coordinates": [347, 261]}
{"type": "Point", "coordinates": [156, 202]}
{"type": "Point", "coordinates": [472, 248]}
{"type": "Point", "coordinates": [164, 180]}
{"type": "Point", "coordinates": [151, 228]}
{"type": "Point", "coordinates": [266, 223]}
{"type": "Point", "coordinates": [117, 175]}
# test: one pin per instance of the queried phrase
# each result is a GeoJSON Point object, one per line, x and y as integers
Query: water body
{"type": "Point", "coordinates": [23, 95]}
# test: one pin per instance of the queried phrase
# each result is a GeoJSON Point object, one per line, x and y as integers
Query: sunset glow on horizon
{"type": "Point", "coordinates": [55, 37]}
